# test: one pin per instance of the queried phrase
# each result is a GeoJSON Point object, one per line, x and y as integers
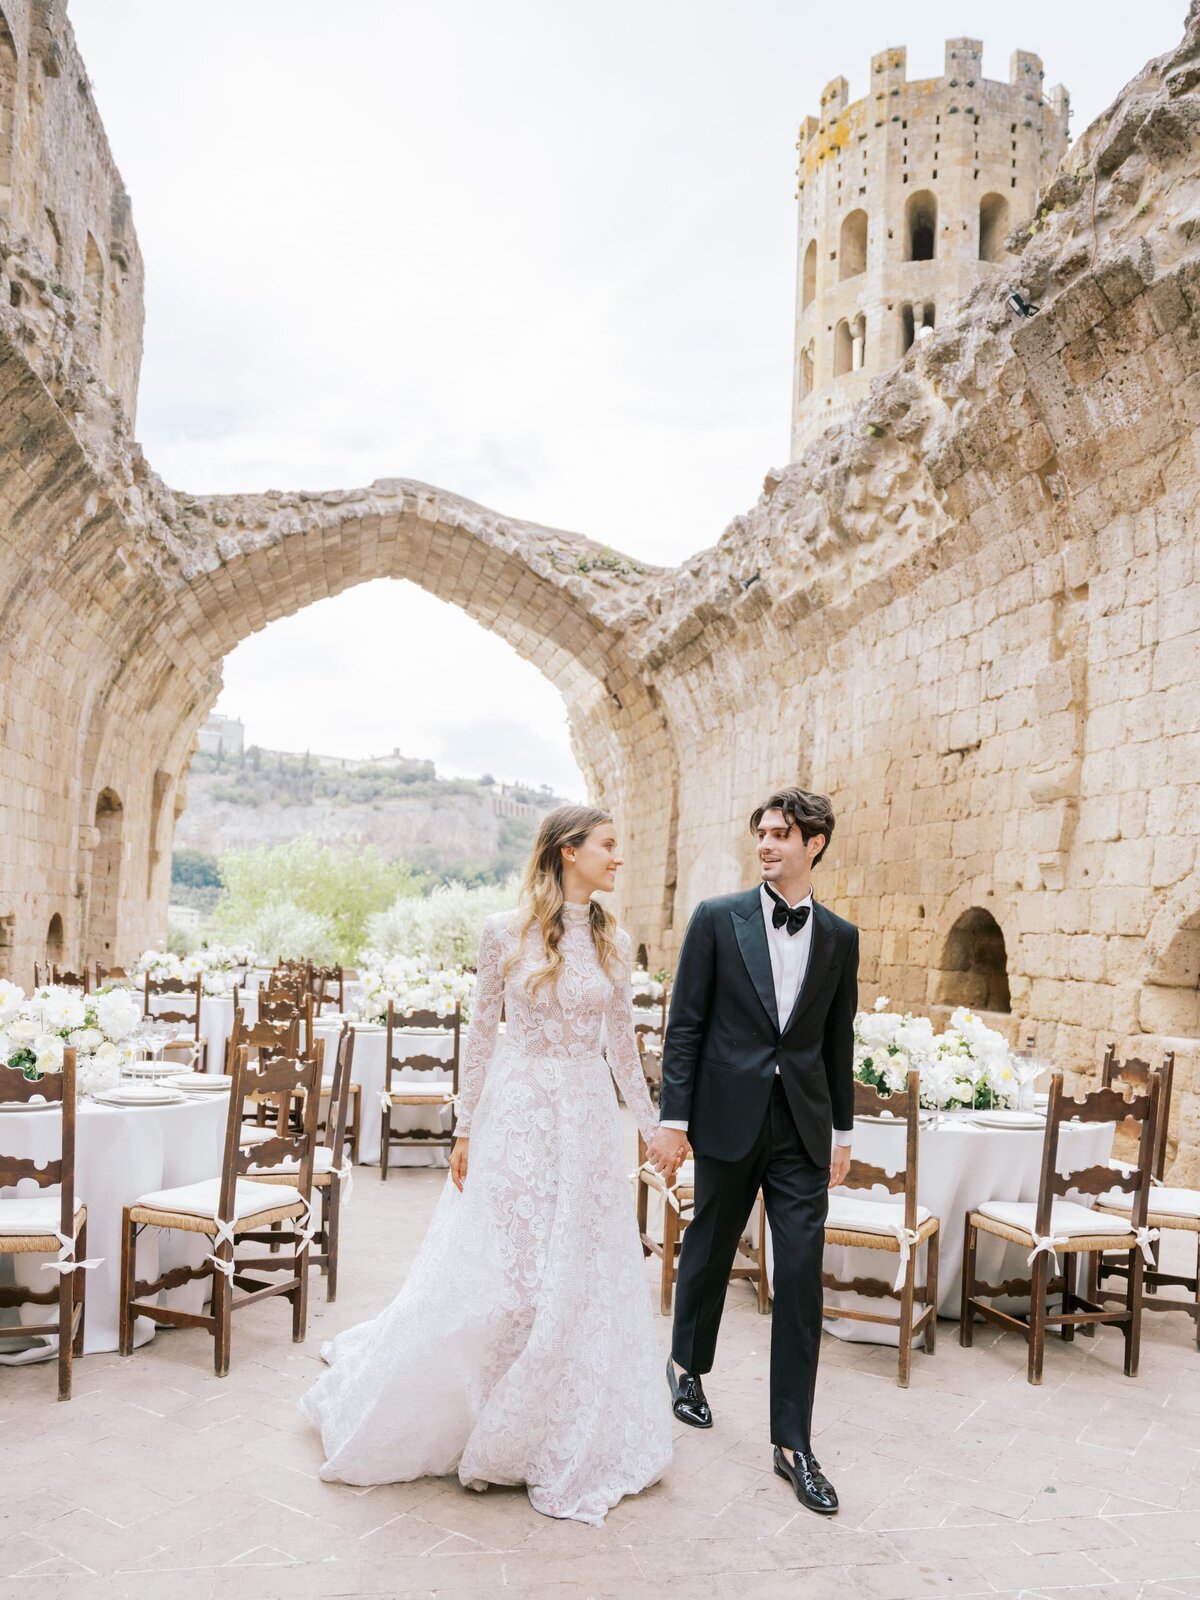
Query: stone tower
{"type": "Point", "coordinates": [906, 198]}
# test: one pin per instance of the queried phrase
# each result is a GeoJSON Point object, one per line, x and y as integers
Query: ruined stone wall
{"type": "Point", "coordinates": [905, 198]}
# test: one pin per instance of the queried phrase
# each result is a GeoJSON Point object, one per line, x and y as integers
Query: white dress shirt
{"type": "Point", "coordinates": [790, 954]}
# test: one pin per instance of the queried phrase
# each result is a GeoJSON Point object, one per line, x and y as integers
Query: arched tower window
{"type": "Point", "coordinates": [920, 226]}
{"type": "Point", "coordinates": [994, 212]}
{"type": "Point", "coordinates": [808, 281]}
{"type": "Point", "coordinates": [852, 248]}
{"type": "Point", "coordinates": [975, 963]}
{"type": "Point", "coordinates": [843, 349]}
{"type": "Point", "coordinates": [54, 941]}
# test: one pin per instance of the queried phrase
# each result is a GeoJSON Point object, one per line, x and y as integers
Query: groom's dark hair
{"type": "Point", "coordinates": [811, 813]}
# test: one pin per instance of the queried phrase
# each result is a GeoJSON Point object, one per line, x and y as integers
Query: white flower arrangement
{"type": "Point", "coordinates": [411, 985]}
{"type": "Point", "coordinates": [36, 1030]}
{"type": "Point", "coordinates": [645, 983]}
{"type": "Point", "coordinates": [214, 964]}
{"type": "Point", "coordinates": [967, 1065]}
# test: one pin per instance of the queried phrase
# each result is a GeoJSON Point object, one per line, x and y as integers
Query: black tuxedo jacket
{"type": "Point", "coordinates": [724, 1039]}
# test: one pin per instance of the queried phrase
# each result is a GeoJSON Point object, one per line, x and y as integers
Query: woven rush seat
{"type": "Point", "coordinates": [29, 1226]}
{"type": "Point", "coordinates": [1080, 1227]}
{"type": "Point", "coordinates": [192, 1206]}
{"type": "Point", "coordinates": [873, 1224]}
{"type": "Point", "coordinates": [1178, 1208]}
{"type": "Point", "coordinates": [417, 1093]}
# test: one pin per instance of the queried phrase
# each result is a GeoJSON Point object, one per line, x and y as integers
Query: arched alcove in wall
{"type": "Point", "coordinates": [55, 950]}
{"type": "Point", "coordinates": [104, 890]}
{"type": "Point", "coordinates": [974, 964]}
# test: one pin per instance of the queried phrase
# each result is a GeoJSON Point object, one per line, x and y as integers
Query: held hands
{"type": "Point", "coordinates": [458, 1162]}
{"type": "Point", "coordinates": [667, 1152]}
{"type": "Point", "coordinates": [839, 1165]}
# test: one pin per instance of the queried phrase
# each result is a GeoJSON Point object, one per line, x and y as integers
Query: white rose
{"type": "Point", "coordinates": [962, 1091]}
{"type": "Point", "coordinates": [24, 1030]}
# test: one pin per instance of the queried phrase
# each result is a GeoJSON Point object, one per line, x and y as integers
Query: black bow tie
{"type": "Point", "coordinates": [794, 916]}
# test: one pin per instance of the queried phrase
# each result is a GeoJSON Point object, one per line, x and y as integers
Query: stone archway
{"type": "Point", "coordinates": [104, 888]}
{"type": "Point", "coordinates": [974, 964]}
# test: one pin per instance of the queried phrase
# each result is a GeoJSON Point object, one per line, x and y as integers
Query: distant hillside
{"type": "Point", "coordinates": [478, 831]}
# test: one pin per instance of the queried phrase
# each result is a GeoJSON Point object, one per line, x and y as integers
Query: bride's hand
{"type": "Point", "coordinates": [458, 1162]}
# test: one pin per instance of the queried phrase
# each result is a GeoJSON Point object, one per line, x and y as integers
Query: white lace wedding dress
{"type": "Point", "coordinates": [522, 1347]}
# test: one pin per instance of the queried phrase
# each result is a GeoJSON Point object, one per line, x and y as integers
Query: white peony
{"type": "Point", "coordinates": [11, 999]}
{"type": "Point", "coordinates": [117, 1013]}
{"type": "Point", "coordinates": [63, 1010]}
{"type": "Point", "coordinates": [23, 1030]}
{"type": "Point", "coordinates": [86, 1039]}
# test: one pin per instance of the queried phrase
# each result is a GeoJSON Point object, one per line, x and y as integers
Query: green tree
{"type": "Point", "coordinates": [343, 886]}
{"type": "Point", "coordinates": [195, 869]}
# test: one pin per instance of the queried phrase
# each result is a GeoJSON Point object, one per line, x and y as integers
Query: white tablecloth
{"type": "Point", "coordinates": [216, 1022]}
{"type": "Point", "coordinates": [370, 1070]}
{"type": "Point", "coordinates": [961, 1164]}
{"type": "Point", "coordinates": [121, 1152]}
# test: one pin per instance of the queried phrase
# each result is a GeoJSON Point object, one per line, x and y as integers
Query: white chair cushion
{"type": "Point", "coordinates": [869, 1216]}
{"type": "Point", "coordinates": [685, 1178]}
{"type": "Point", "coordinates": [200, 1199]}
{"type": "Point", "coordinates": [1068, 1219]}
{"type": "Point", "coordinates": [1163, 1202]}
{"type": "Point", "coordinates": [251, 1133]}
{"type": "Point", "coordinates": [322, 1162]}
{"type": "Point", "coordinates": [35, 1213]}
{"type": "Point", "coordinates": [407, 1088]}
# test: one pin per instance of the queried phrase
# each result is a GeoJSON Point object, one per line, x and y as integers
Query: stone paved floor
{"type": "Point", "coordinates": [159, 1480]}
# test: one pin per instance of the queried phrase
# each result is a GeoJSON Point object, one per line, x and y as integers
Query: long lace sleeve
{"type": "Point", "coordinates": [624, 1061]}
{"type": "Point", "coordinates": [485, 1024]}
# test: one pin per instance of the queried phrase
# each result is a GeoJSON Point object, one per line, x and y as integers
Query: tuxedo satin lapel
{"type": "Point", "coordinates": [752, 942]}
{"type": "Point", "coordinates": [820, 959]}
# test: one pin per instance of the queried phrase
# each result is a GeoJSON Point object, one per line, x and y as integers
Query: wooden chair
{"type": "Point", "coordinates": [46, 1224]}
{"type": "Point", "coordinates": [188, 1039]}
{"type": "Point", "coordinates": [412, 1092]}
{"type": "Point", "coordinates": [71, 980]}
{"type": "Point", "coordinates": [332, 1172]}
{"type": "Point", "coordinates": [678, 1204]}
{"type": "Point", "coordinates": [325, 984]}
{"type": "Point", "coordinates": [234, 1209]}
{"type": "Point", "coordinates": [1169, 1210]}
{"type": "Point", "coordinates": [265, 1042]}
{"type": "Point", "coordinates": [274, 1006]}
{"type": "Point", "coordinates": [899, 1227]}
{"type": "Point", "coordinates": [110, 975]}
{"type": "Point", "coordinates": [1051, 1224]}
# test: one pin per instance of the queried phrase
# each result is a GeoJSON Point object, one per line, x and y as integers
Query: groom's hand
{"type": "Point", "coordinates": [667, 1151]}
{"type": "Point", "coordinates": [839, 1165]}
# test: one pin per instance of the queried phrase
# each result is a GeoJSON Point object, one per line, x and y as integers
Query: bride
{"type": "Point", "coordinates": [521, 1348]}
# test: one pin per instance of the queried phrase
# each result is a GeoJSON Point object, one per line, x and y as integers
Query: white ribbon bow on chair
{"type": "Point", "coordinates": [1045, 1246]}
{"type": "Point", "coordinates": [1144, 1238]}
{"type": "Point", "coordinates": [669, 1194]}
{"type": "Point", "coordinates": [385, 1099]}
{"type": "Point", "coordinates": [909, 1239]}
{"type": "Point", "coordinates": [346, 1172]}
{"type": "Point", "coordinates": [305, 1226]}
{"type": "Point", "coordinates": [224, 1235]}
{"type": "Point", "coordinates": [65, 1261]}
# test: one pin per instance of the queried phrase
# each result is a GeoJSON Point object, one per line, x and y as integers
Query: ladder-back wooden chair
{"type": "Point", "coordinates": [1169, 1209]}
{"type": "Point", "coordinates": [332, 1171]}
{"type": "Point", "coordinates": [897, 1226]}
{"type": "Point", "coordinates": [54, 1224]}
{"type": "Point", "coordinates": [436, 1094]}
{"type": "Point", "coordinates": [185, 1012]}
{"type": "Point", "coordinates": [678, 1206]}
{"type": "Point", "coordinates": [326, 984]}
{"type": "Point", "coordinates": [1053, 1223]}
{"type": "Point", "coordinates": [65, 979]}
{"type": "Point", "coordinates": [235, 1209]}
{"type": "Point", "coordinates": [111, 975]}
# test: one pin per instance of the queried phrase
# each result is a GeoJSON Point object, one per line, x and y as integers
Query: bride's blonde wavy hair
{"type": "Point", "coordinates": [542, 896]}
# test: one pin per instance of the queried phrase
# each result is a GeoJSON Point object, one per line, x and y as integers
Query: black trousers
{"type": "Point", "coordinates": [797, 1197]}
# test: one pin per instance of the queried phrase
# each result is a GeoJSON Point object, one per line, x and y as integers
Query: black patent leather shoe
{"type": "Point", "coordinates": [813, 1488]}
{"type": "Point", "coordinates": [687, 1399]}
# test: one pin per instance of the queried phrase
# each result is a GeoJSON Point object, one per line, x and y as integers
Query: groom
{"type": "Point", "coordinates": [757, 1078]}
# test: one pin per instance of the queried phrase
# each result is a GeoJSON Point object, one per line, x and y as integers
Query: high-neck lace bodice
{"type": "Point", "coordinates": [581, 1014]}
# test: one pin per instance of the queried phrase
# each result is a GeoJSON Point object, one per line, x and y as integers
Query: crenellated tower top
{"type": "Point", "coordinates": [906, 197]}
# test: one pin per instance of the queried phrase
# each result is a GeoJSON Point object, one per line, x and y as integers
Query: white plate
{"type": "Point", "coordinates": [885, 1119]}
{"type": "Point", "coordinates": [141, 1094]}
{"type": "Point", "coordinates": [29, 1105]}
{"type": "Point", "coordinates": [1009, 1119]}
{"type": "Point", "coordinates": [207, 1082]}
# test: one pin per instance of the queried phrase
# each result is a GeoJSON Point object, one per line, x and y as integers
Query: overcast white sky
{"type": "Point", "coordinates": [537, 252]}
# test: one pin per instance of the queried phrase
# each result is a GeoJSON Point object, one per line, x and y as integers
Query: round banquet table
{"type": "Point", "coordinates": [370, 1070]}
{"type": "Point", "coordinates": [121, 1152]}
{"type": "Point", "coordinates": [961, 1164]}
